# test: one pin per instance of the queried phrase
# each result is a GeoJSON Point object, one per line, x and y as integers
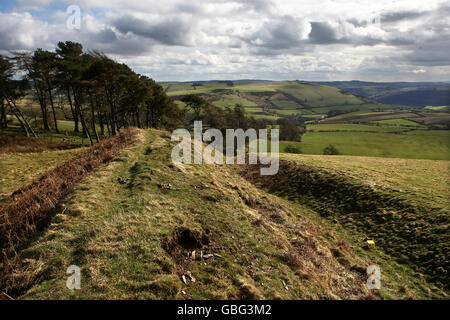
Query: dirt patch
{"type": "Point", "coordinates": [185, 239]}
{"type": "Point", "coordinates": [182, 242]}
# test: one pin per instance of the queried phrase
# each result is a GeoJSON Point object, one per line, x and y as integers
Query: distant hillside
{"type": "Point", "coordinates": [411, 94]}
{"type": "Point", "coordinates": [271, 99]}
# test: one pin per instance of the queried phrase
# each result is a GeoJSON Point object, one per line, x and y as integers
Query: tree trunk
{"type": "Point", "coordinates": [147, 116]}
{"type": "Point", "coordinates": [83, 122]}
{"type": "Point", "coordinates": [113, 121]}
{"type": "Point", "coordinates": [19, 115]}
{"type": "Point", "coordinates": [93, 118]}
{"type": "Point", "coordinates": [50, 96]}
{"type": "Point", "coordinates": [100, 121]}
{"type": "Point", "coordinates": [43, 104]}
{"type": "Point", "coordinates": [138, 119]}
{"type": "Point", "coordinates": [3, 120]}
{"type": "Point", "coordinates": [74, 113]}
{"type": "Point", "coordinates": [108, 124]}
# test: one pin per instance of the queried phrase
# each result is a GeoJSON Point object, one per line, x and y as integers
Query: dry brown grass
{"type": "Point", "coordinates": [27, 144]}
{"type": "Point", "coordinates": [32, 204]}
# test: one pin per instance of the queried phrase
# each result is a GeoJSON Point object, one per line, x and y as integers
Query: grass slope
{"type": "Point", "coordinates": [132, 227]}
{"type": "Point", "coordinates": [402, 204]}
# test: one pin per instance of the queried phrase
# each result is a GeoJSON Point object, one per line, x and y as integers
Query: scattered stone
{"type": "Point", "coordinates": [167, 186]}
{"type": "Point", "coordinates": [191, 277]}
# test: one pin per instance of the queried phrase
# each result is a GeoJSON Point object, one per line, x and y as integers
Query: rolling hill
{"type": "Point", "coordinates": [273, 99]}
{"type": "Point", "coordinates": [410, 94]}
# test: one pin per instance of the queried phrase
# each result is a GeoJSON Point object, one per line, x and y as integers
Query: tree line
{"type": "Point", "coordinates": [103, 96]}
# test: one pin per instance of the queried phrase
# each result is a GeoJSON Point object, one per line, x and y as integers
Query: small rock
{"type": "Point", "coordinates": [191, 277]}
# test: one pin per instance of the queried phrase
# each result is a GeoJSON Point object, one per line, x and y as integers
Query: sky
{"type": "Point", "coordinates": [179, 40]}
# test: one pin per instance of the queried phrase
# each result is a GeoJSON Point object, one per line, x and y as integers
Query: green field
{"type": "Point", "coordinates": [400, 122]}
{"type": "Point", "coordinates": [232, 102]}
{"type": "Point", "coordinates": [19, 169]}
{"type": "Point", "coordinates": [438, 108]}
{"type": "Point", "coordinates": [419, 144]}
{"type": "Point", "coordinates": [358, 127]}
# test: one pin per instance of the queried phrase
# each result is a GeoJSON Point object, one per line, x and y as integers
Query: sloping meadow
{"type": "Point", "coordinates": [412, 233]}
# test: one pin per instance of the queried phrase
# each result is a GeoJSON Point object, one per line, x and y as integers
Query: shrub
{"type": "Point", "coordinates": [330, 150]}
{"type": "Point", "coordinates": [292, 149]}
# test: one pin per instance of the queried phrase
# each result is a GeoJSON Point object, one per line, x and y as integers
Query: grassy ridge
{"type": "Point", "coordinates": [132, 227]}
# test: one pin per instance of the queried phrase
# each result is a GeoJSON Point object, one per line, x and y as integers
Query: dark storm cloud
{"type": "Point", "coordinates": [106, 36]}
{"type": "Point", "coordinates": [170, 31]}
{"type": "Point", "coordinates": [286, 32]}
{"type": "Point", "coordinates": [263, 6]}
{"type": "Point", "coordinates": [431, 53]}
{"type": "Point", "coordinates": [401, 16]}
{"type": "Point", "coordinates": [191, 8]}
{"type": "Point", "coordinates": [323, 33]}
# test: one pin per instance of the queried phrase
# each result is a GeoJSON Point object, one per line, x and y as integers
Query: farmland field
{"type": "Point", "coordinates": [362, 127]}
{"type": "Point", "coordinates": [420, 144]}
{"type": "Point", "coordinates": [284, 98]}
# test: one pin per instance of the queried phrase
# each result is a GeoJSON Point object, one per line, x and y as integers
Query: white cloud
{"type": "Point", "coordinates": [283, 39]}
